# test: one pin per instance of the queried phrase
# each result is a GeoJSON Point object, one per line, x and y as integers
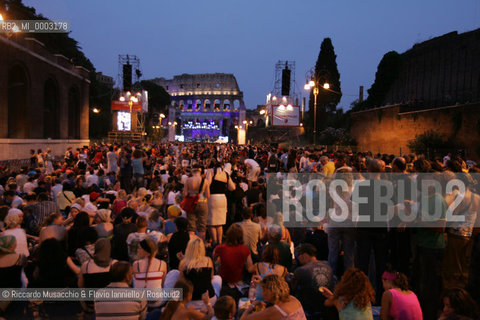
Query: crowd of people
{"type": "Point", "coordinates": [194, 216]}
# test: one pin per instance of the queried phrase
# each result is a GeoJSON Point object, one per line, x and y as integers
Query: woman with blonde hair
{"type": "Point", "coordinates": [141, 193]}
{"type": "Point", "coordinates": [148, 271]}
{"type": "Point", "coordinates": [198, 269]}
{"type": "Point", "coordinates": [157, 201]}
{"type": "Point", "coordinates": [285, 306]}
{"type": "Point", "coordinates": [120, 202]}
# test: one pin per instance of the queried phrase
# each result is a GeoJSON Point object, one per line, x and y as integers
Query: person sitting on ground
{"type": "Point", "coordinates": [11, 266]}
{"type": "Point", "coordinates": [268, 266]}
{"type": "Point", "coordinates": [285, 306]}
{"type": "Point", "coordinates": [178, 242]}
{"type": "Point", "coordinates": [353, 296]}
{"type": "Point", "coordinates": [87, 245]}
{"type": "Point", "coordinates": [225, 308]}
{"type": "Point", "coordinates": [13, 223]}
{"type": "Point", "coordinates": [398, 302]}
{"type": "Point", "coordinates": [155, 221]}
{"type": "Point", "coordinates": [95, 272]}
{"type": "Point", "coordinates": [309, 277]}
{"type": "Point", "coordinates": [173, 213]}
{"type": "Point", "coordinates": [104, 226]}
{"type": "Point", "coordinates": [458, 304]}
{"type": "Point", "coordinates": [177, 310]}
{"type": "Point", "coordinates": [53, 267]}
{"type": "Point", "coordinates": [121, 277]}
{"type": "Point", "coordinates": [233, 257]}
{"type": "Point", "coordinates": [275, 240]}
{"type": "Point", "coordinates": [54, 228]}
{"type": "Point", "coordinates": [119, 203]}
{"type": "Point", "coordinates": [252, 232]}
{"type": "Point", "coordinates": [65, 197]}
{"type": "Point", "coordinates": [134, 238]}
{"type": "Point", "coordinates": [148, 271]}
{"type": "Point", "coordinates": [80, 222]}
{"type": "Point", "coordinates": [197, 268]}
{"type": "Point", "coordinates": [121, 232]}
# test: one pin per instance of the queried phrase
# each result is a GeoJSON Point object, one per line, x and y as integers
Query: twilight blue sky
{"type": "Point", "coordinates": [247, 37]}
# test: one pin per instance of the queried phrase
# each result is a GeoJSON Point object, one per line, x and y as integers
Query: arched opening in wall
{"type": "Point", "coordinates": [189, 105]}
{"type": "Point", "coordinates": [182, 105]}
{"type": "Point", "coordinates": [260, 123]}
{"type": "Point", "coordinates": [51, 125]}
{"type": "Point", "coordinates": [198, 104]}
{"type": "Point", "coordinates": [226, 104]}
{"type": "Point", "coordinates": [208, 104]}
{"type": "Point", "coordinates": [236, 105]}
{"type": "Point", "coordinates": [216, 105]}
{"type": "Point", "coordinates": [17, 103]}
{"type": "Point", "coordinates": [74, 113]}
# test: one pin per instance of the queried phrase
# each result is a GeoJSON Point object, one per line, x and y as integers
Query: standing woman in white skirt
{"type": "Point", "coordinates": [48, 158]}
{"type": "Point", "coordinates": [220, 183]}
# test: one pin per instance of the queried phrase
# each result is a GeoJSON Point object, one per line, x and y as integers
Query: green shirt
{"type": "Point", "coordinates": [351, 312]}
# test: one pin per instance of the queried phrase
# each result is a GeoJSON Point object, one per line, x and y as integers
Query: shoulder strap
{"type": "Point", "coordinates": [63, 192]}
{"type": "Point", "coordinates": [201, 185]}
{"type": "Point", "coordinates": [89, 254]}
{"type": "Point", "coordinates": [160, 266]}
{"type": "Point", "coordinates": [283, 313]}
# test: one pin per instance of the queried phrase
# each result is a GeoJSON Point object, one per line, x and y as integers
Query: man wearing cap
{"type": "Point", "coordinates": [91, 206]}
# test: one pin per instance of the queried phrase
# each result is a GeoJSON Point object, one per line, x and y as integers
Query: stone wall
{"type": "Point", "coordinates": [43, 94]}
{"type": "Point", "coordinates": [388, 129]}
{"type": "Point", "coordinates": [443, 71]}
{"type": "Point", "coordinates": [14, 149]}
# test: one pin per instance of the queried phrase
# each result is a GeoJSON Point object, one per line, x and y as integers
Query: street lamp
{"type": "Point", "coordinates": [96, 110]}
{"type": "Point", "coordinates": [309, 85]}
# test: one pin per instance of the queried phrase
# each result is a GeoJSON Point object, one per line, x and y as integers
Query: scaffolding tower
{"type": "Point", "coordinates": [134, 61]}
{"type": "Point", "coordinates": [279, 67]}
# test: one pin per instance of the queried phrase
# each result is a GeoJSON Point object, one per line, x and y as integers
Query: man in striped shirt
{"type": "Point", "coordinates": [121, 275]}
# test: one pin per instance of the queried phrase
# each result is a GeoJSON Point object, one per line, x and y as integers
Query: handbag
{"type": "Point", "coordinates": [189, 203]}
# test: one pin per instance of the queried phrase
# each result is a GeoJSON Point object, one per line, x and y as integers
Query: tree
{"type": "Point", "coordinates": [326, 71]}
{"type": "Point", "coordinates": [431, 143]}
{"type": "Point", "coordinates": [387, 72]}
{"type": "Point", "coordinates": [158, 102]}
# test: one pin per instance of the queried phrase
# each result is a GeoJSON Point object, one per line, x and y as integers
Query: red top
{"type": "Point", "coordinates": [232, 262]}
{"type": "Point", "coordinates": [118, 205]}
